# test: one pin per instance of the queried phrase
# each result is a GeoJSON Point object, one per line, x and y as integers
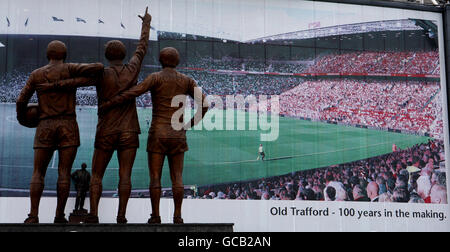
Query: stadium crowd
{"type": "Point", "coordinates": [251, 84]}
{"type": "Point", "coordinates": [287, 67]}
{"type": "Point", "coordinates": [226, 63]}
{"type": "Point", "coordinates": [411, 175]}
{"type": "Point", "coordinates": [378, 62]}
{"type": "Point", "coordinates": [411, 106]}
{"type": "Point", "coordinates": [12, 83]}
{"type": "Point", "coordinates": [248, 64]}
{"type": "Point", "coordinates": [10, 86]}
{"type": "Point", "coordinates": [414, 62]}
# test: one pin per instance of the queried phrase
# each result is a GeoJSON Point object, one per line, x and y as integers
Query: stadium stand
{"type": "Point", "coordinates": [378, 62]}
{"type": "Point", "coordinates": [413, 106]}
{"type": "Point", "coordinates": [387, 174]}
{"type": "Point", "coordinates": [410, 106]}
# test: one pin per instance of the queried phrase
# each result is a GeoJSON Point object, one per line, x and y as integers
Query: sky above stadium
{"type": "Point", "coordinates": [240, 20]}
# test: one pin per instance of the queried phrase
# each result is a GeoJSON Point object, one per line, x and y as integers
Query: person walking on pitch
{"type": "Point", "coordinates": [261, 153]}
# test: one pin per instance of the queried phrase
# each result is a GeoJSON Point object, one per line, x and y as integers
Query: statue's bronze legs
{"type": "Point", "coordinates": [99, 163]}
{"type": "Point", "coordinates": [66, 158]}
{"type": "Point", "coordinates": [155, 163]}
{"type": "Point", "coordinates": [42, 159]}
{"type": "Point", "coordinates": [126, 161]}
{"type": "Point", "coordinates": [176, 175]}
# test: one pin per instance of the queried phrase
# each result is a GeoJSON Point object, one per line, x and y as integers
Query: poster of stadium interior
{"type": "Point", "coordinates": [353, 96]}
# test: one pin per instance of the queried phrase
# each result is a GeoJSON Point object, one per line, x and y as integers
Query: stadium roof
{"type": "Point", "coordinates": [378, 26]}
{"type": "Point", "coordinates": [183, 36]}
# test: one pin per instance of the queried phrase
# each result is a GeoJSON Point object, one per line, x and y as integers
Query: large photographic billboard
{"type": "Point", "coordinates": [324, 116]}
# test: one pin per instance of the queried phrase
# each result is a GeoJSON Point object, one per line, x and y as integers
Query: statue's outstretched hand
{"type": "Point", "coordinates": [147, 18]}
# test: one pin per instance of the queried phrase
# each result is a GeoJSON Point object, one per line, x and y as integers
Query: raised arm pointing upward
{"type": "Point", "coordinates": [164, 140]}
{"type": "Point", "coordinates": [118, 129]}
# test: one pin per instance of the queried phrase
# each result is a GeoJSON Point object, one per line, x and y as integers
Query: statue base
{"type": "Point", "coordinates": [189, 227]}
{"type": "Point", "coordinates": [78, 216]}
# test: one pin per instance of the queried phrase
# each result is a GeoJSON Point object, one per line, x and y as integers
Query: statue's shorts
{"type": "Point", "coordinates": [56, 133]}
{"type": "Point", "coordinates": [166, 146]}
{"type": "Point", "coordinates": [121, 141]}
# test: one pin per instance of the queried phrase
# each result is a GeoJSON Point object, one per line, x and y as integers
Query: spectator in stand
{"type": "Point", "coordinates": [372, 191]}
{"type": "Point", "coordinates": [341, 194]}
{"type": "Point", "coordinates": [354, 180]}
{"type": "Point", "coordinates": [438, 178]}
{"type": "Point", "coordinates": [381, 183]}
{"type": "Point", "coordinates": [390, 185]}
{"type": "Point", "coordinates": [401, 182]}
{"type": "Point", "coordinates": [424, 186]}
{"type": "Point", "coordinates": [308, 194]}
{"type": "Point", "coordinates": [359, 194]}
{"type": "Point", "coordinates": [400, 195]}
{"type": "Point", "coordinates": [438, 195]}
{"type": "Point", "coordinates": [330, 193]}
{"type": "Point", "coordinates": [416, 199]}
{"type": "Point", "coordinates": [385, 197]}
{"type": "Point", "coordinates": [265, 196]}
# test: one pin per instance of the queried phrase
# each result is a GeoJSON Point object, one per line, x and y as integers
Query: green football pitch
{"type": "Point", "coordinates": [216, 156]}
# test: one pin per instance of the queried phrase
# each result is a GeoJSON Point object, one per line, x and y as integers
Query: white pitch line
{"type": "Point", "coordinates": [253, 160]}
{"type": "Point", "coordinates": [309, 154]}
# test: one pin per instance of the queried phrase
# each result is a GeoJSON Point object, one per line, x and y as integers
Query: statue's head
{"type": "Point", "coordinates": [83, 166]}
{"type": "Point", "coordinates": [56, 50]}
{"type": "Point", "coordinates": [115, 50]}
{"type": "Point", "coordinates": [169, 57]}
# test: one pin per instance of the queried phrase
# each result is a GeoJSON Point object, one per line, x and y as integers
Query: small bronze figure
{"type": "Point", "coordinates": [81, 179]}
{"type": "Point", "coordinates": [57, 128]}
{"type": "Point", "coordinates": [163, 139]}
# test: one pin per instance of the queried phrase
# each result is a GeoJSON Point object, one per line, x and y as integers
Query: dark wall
{"type": "Point", "coordinates": [28, 52]}
{"type": "Point", "coordinates": [370, 41]}
{"type": "Point", "coordinates": [3, 54]}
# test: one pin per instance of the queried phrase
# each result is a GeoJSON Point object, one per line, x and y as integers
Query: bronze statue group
{"type": "Point", "coordinates": [118, 128]}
